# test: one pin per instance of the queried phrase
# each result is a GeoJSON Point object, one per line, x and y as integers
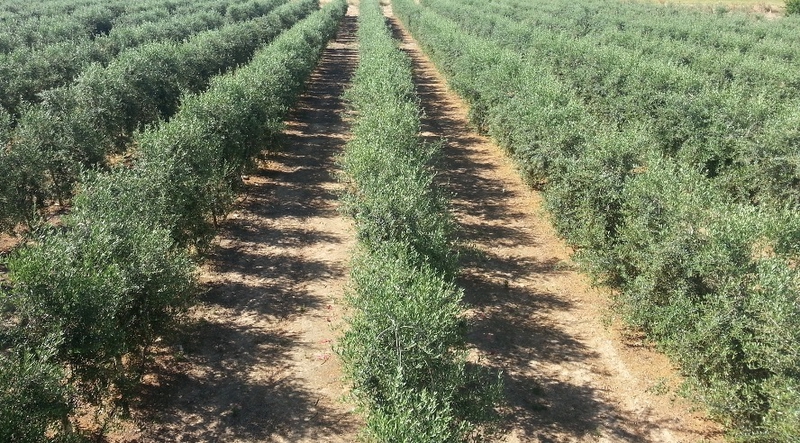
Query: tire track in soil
{"type": "Point", "coordinates": [255, 361]}
{"type": "Point", "coordinates": [568, 376]}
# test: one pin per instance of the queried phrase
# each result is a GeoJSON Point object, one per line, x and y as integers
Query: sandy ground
{"type": "Point", "coordinates": [570, 377]}
{"type": "Point", "coordinates": [255, 361]}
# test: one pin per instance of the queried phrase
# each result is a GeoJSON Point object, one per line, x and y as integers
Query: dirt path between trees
{"type": "Point", "coordinates": [569, 377]}
{"type": "Point", "coordinates": [256, 361]}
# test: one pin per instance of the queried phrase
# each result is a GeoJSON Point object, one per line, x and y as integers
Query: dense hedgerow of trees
{"type": "Point", "coordinates": [35, 25]}
{"type": "Point", "coordinates": [720, 115]}
{"type": "Point", "coordinates": [85, 300]}
{"type": "Point", "coordinates": [405, 349]}
{"type": "Point", "coordinates": [78, 126]}
{"type": "Point", "coordinates": [33, 29]}
{"type": "Point", "coordinates": [673, 172]}
{"type": "Point", "coordinates": [27, 71]}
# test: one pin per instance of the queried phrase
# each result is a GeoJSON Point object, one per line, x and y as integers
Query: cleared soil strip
{"type": "Point", "coordinates": [569, 377]}
{"type": "Point", "coordinates": [256, 362]}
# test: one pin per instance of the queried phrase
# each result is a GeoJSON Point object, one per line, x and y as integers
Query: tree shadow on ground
{"type": "Point", "coordinates": [227, 383]}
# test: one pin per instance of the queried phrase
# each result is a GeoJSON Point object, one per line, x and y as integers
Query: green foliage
{"type": "Point", "coordinates": [63, 137]}
{"type": "Point", "coordinates": [406, 354]}
{"type": "Point", "coordinates": [397, 200]}
{"type": "Point", "coordinates": [26, 71]}
{"type": "Point", "coordinates": [17, 192]}
{"type": "Point", "coordinates": [677, 253]}
{"type": "Point", "coordinates": [33, 399]}
{"type": "Point", "coordinates": [21, 188]}
{"type": "Point", "coordinates": [5, 127]}
{"type": "Point", "coordinates": [107, 285]}
{"type": "Point", "coordinates": [792, 7]}
{"type": "Point", "coordinates": [243, 11]}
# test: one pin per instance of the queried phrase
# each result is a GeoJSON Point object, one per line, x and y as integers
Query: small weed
{"type": "Point", "coordinates": [564, 266]}
{"type": "Point", "coordinates": [661, 387]}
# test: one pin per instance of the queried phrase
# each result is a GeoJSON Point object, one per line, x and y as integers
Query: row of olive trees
{"type": "Point", "coordinates": [405, 349]}
{"type": "Point", "coordinates": [36, 25]}
{"type": "Point", "coordinates": [86, 300]}
{"type": "Point", "coordinates": [39, 28]}
{"type": "Point", "coordinates": [731, 113]}
{"type": "Point", "coordinates": [27, 71]}
{"type": "Point", "coordinates": [704, 264]}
